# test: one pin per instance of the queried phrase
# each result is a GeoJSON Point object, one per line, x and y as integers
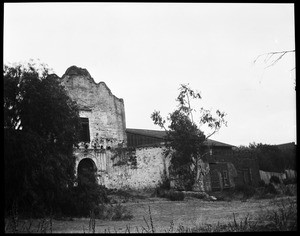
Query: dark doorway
{"type": "Point", "coordinates": [215, 180]}
{"type": "Point", "coordinates": [86, 172]}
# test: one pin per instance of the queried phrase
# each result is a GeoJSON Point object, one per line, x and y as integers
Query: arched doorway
{"type": "Point", "coordinates": [86, 172]}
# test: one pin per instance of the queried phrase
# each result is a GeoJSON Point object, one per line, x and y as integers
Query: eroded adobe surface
{"type": "Point", "coordinates": [104, 110]}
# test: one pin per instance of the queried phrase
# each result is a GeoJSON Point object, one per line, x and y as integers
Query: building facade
{"type": "Point", "coordinates": [133, 158]}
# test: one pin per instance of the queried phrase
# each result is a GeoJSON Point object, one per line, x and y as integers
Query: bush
{"type": "Point", "coordinates": [162, 189]}
{"type": "Point", "coordinates": [290, 181]}
{"type": "Point", "coordinates": [81, 200]}
{"type": "Point", "coordinates": [261, 183]}
{"type": "Point", "coordinates": [159, 192]}
{"type": "Point", "coordinates": [274, 179]}
{"type": "Point", "coordinates": [165, 184]}
{"type": "Point", "coordinates": [284, 216]}
{"type": "Point", "coordinates": [291, 190]}
{"type": "Point", "coordinates": [270, 188]}
{"type": "Point", "coordinates": [247, 190]}
{"type": "Point", "coordinates": [176, 196]}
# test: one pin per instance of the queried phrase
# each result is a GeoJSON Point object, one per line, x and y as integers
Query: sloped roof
{"type": "Point", "coordinates": [161, 134]}
{"type": "Point", "coordinates": [290, 145]}
{"type": "Point", "coordinates": [148, 132]}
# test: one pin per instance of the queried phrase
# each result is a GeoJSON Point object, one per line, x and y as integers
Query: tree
{"type": "Point", "coordinates": [276, 56]}
{"type": "Point", "coordinates": [41, 125]}
{"type": "Point", "coordinates": [270, 158]}
{"type": "Point", "coordinates": [185, 140]}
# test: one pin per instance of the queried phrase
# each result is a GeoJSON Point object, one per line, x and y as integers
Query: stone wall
{"type": "Point", "coordinates": [104, 110]}
{"type": "Point", "coordinates": [151, 166]}
{"type": "Point", "coordinates": [150, 169]}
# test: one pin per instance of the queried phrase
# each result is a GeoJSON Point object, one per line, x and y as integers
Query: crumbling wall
{"type": "Point", "coordinates": [139, 169]}
{"type": "Point", "coordinates": [104, 110]}
{"type": "Point", "coordinates": [148, 172]}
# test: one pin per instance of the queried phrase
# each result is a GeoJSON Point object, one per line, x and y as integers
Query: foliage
{"type": "Point", "coordinates": [283, 217]}
{"type": "Point", "coordinates": [41, 125]}
{"type": "Point", "coordinates": [184, 139]}
{"type": "Point", "coordinates": [85, 197]}
{"type": "Point", "coordinates": [247, 190]}
{"type": "Point", "coordinates": [162, 189]}
{"type": "Point", "coordinates": [175, 195]}
{"type": "Point", "coordinates": [125, 156]}
{"type": "Point", "coordinates": [270, 188]}
{"type": "Point", "coordinates": [170, 194]}
{"type": "Point", "coordinates": [261, 183]}
{"type": "Point", "coordinates": [275, 179]}
{"type": "Point", "coordinates": [290, 181]}
{"type": "Point", "coordinates": [270, 157]}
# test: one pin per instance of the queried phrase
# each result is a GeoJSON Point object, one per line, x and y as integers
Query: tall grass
{"type": "Point", "coordinates": [282, 217]}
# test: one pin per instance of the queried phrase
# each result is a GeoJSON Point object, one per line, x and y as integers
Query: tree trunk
{"type": "Point", "coordinates": [202, 169]}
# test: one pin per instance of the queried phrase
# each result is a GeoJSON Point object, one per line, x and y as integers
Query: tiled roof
{"type": "Point", "coordinates": [161, 134]}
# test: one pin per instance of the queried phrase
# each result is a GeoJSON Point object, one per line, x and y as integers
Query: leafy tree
{"type": "Point", "coordinates": [41, 125]}
{"type": "Point", "coordinates": [184, 139]}
{"type": "Point", "coordinates": [270, 157]}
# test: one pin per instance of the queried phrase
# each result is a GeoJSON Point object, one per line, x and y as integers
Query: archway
{"type": "Point", "coordinates": [86, 172]}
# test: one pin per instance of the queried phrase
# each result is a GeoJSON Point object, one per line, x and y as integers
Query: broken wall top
{"type": "Point", "coordinates": [105, 111]}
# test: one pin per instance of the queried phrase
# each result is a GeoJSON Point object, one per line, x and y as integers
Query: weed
{"type": "Point", "coordinates": [92, 222]}
{"type": "Point", "coordinates": [171, 227]}
{"type": "Point", "coordinates": [243, 226]}
{"type": "Point", "coordinates": [284, 217]}
{"type": "Point", "coordinates": [151, 221]}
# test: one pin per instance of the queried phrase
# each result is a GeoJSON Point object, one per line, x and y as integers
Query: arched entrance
{"type": "Point", "coordinates": [86, 171]}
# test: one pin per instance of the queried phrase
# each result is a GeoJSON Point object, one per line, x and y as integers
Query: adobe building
{"type": "Point", "coordinates": [133, 158]}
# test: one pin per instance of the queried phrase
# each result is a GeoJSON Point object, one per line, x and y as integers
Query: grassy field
{"type": "Point", "coordinates": [160, 215]}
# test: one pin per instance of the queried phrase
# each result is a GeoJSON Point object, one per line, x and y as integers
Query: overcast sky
{"type": "Point", "coordinates": [144, 51]}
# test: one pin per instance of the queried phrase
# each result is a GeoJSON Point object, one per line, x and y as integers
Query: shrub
{"type": "Point", "coordinates": [291, 190]}
{"type": "Point", "coordinates": [270, 188]}
{"type": "Point", "coordinates": [176, 196]}
{"type": "Point", "coordinates": [81, 200]}
{"type": "Point", "coordinates": [165, 184]}
{"type": "Point", "coordinates": [284, 216]}
{"type": "Point", "coordinates": [247, 190]}
{"type": "Point", "coordinates": [290, 181]}
{"type": "Point", "coordinates": [163, 188]}
{"type": "Point", "coordinates": [274, 179]}
{"type": "Point", "coordinates": [159, 192]}
{"type": "Point", "coordinates": [261, 183]}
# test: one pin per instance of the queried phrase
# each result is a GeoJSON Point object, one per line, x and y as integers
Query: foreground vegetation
{"type": "Point", "coordinates": [281, 216]}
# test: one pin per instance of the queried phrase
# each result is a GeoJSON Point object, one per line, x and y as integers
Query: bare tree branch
{"type": "Point", "coordinates": [269, 55]}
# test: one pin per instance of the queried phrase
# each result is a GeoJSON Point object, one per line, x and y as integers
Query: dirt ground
{"type": "Point", "coordinates": [190, 212]}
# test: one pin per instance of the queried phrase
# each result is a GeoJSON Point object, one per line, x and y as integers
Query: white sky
{"type": "Point", "coordinates": [144, 51]}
